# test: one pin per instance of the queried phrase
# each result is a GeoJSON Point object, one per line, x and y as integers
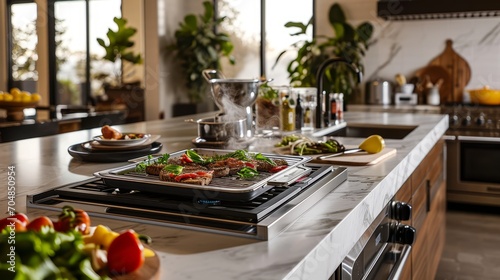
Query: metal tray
{"type": "Point", "coordinates": [225, 188]}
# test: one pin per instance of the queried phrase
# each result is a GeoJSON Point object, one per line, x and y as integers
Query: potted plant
{"type": "Point", "coordinates": [347, 42]}
{"type": "Point", "coordinates": [118, 51]}
{"type": "Point", "coordinates": [198, 46]}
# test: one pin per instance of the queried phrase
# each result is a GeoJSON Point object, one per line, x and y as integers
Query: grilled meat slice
{"type": "Point", "coordinates": [220, 171]}
{"type": "Point", "coordinates": [266, 166]}
{"type": "Point", "coordinates": [155, 168]}
{"type": "Point", "coordinates": [195, 177]}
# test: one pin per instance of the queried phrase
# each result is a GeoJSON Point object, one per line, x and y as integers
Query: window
{"type": "Point", "coordinates": [254, 55]}
{"type": "Point", "coordinates": [22, 45]}
{"type": "Point", "coordinates": [74, 54]}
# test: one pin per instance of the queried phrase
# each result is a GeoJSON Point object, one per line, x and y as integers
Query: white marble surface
{"type": "Point", "coordinates": [311, 248]}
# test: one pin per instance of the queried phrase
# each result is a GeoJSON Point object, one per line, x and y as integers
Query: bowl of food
{"type": "Point", "coordinates": [15, 101]}
{"type": "Point", "coordinates": [113, 137]}
{"type": "Point", "coordinates": [485, 96]}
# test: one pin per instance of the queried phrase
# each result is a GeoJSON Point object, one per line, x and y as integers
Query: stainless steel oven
{"type": "Point", "coordinates": [474, 170]}
{"type": "Point", "coordinates": [382, 251]}
{"type": "Point", "coordinates": [473, 154]}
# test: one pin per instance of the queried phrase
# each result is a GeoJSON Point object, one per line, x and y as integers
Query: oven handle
{"type": "Point", "coordinates": [478, 138]}
{"type": "Point", "coordinates": [398, 267]}
{"type": "Point", "coordinates": [449, 137]}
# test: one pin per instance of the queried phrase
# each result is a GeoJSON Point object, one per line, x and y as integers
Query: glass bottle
{"type": "Point", "coordinates": [287, 111]}
{"type": "Point", "coordinates": [299, 113]}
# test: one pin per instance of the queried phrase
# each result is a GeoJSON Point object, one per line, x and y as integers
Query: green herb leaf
{"type": "Point", "coordinates": [260, 156]}
{"type": "Point", "coordinates": [195, 157]}
{"type": "Point", "coordinates": [174, 169]}
{"type": "Point", "coordinates": [247, 173]}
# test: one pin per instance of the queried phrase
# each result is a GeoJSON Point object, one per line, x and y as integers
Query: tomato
{"type": "Point", "coordinates": [73, 219]}
{"type": "Point", "coordinates": [38, 223]}
{"type": "Point", "coordinates": [186, 159]}
{"type": "Point", "coordinates": [22, 218]}
{"type": "Point", "coordinates": [251, 165]}
{"type": "Point", "coordinates": [125, 253]}
{"type": "Point", "coordinates": [184, 176]}
{"type": "Point", "coordinates": [12, 223]}
{"type": "Point", "coordinates": [278, 168]}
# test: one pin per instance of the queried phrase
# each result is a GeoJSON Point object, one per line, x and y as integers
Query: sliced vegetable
{"type": "Point", "coordinates": [125, 253]}
{"type": "Point", "coordinates": [247, 173]}
{"type": "Point", "coordinates": [277, 169]}
{"type": "Point", "coordinates": [174, 169]}
{"type": "Point", "coordinates": [259, 156]}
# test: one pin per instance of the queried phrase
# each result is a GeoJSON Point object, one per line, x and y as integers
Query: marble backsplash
{"type": "Point", "coordinates": [407, 46]}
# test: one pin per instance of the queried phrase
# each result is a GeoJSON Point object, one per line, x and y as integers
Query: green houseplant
{"type": "Point", "coordinates": [347, 42]}
{"type": "Point", "coordinates": [198, 46]}
{"type": "Point", "coordinates": [118, 48]}
{"type": "Point", "coordinates": [119, 95]}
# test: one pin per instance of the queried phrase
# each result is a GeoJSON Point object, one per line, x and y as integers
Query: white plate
{"type": "Point", "coordinates": [122, 142]}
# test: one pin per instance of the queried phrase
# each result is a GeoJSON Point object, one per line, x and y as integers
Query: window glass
{"type": "Point", "coordinates": [24, 41]}
{"type": "Point", "coordinates": [243, 27]}
{"type": "Point", "coordinates": [71, 47]}
{"type": "Point", "coordinates": [70, 41]}
{"type": "Point", "coordinates": [278, 36]}
{"type": "Point", "coordinates": [101, 14]}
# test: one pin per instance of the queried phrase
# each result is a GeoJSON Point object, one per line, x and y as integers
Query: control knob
{"type": "Point", "coordinates": [404, 234]}
{"type": "Point", "coordinates": [400, 211]}
{"type": "Point", "coordinates": [466, 121]}
{"type": "Point", "coordinates": [480, 120]}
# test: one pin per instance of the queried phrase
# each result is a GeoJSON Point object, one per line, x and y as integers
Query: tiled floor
{"type": "Point", "coordinates": [472, 249]}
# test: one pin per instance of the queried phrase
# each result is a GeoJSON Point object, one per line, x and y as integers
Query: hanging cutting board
{"type": "Point", "coordinates": [458, 70]}
{"type": "Point", "coordinates": [361, 158]}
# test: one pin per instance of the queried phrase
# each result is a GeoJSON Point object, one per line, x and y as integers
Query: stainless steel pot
{"type": "Point", "coordinates": [217, 130]}
{"type": "Point", "coordinates": [379, 92]}
{"type": "Point", "coordinates": [231, 93]}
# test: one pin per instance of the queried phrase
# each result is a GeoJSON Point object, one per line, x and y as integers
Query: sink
{"type": "Point", "coordinates": [364, 130]}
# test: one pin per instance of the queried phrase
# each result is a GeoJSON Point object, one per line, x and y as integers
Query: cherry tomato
{"type": "Point", "coordinates": [38, 223]}
{"type": "Point", "coordinates": [125, 253]}
{"type": "Point", "coordinates": [73, 219]}
{"type": "Point", "coordinates": [22, 218]}
{"type": "Point", "coordinates": [12, 223]}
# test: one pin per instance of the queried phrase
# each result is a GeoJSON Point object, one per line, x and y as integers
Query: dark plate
{"type": "Point", "coordinates": [79, 152]}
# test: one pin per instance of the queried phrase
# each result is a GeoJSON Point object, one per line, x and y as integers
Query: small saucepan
{"type": "Point", "coordinates": [216, 130]}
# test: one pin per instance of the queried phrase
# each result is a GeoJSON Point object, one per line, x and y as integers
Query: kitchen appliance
{"type": "Point", "coordinates": [406, 99]}
{"type": "Point", "coordinates": [473, 153]}
{"type": "Point", "coordinates": [263, 217]}
{"type": "Point", "coordinates": [428, 9]}
{"type": "Point", "coordinates": [379, 92]}
{"type": "Point", "coordinates": [383, 249]}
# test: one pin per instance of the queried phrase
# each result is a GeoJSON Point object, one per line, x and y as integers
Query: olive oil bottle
{"type": "Point", "coordinates": [287, 112]}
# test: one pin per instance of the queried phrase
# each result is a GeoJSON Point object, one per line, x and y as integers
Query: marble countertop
{"type": "Point", "coordinates": [311, 248]}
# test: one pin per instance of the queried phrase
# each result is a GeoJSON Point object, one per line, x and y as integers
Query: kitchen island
{"type": "Point", "coordinates": [311, 248]}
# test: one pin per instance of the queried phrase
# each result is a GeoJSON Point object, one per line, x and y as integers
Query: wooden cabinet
{"type": "Point", "coordinates": [425, 190]}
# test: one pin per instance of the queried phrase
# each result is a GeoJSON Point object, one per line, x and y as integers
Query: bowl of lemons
{"type": "Point", "coordinates": [15, 101]}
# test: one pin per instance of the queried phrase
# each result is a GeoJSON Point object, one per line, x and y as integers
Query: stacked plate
{"type": "Point", "coordinates": [100, 149]}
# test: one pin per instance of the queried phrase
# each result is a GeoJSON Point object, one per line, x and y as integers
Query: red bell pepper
{"type": "Point", "coordinates": [125, 253]}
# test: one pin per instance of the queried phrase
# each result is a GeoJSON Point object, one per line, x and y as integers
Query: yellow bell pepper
{"type": "Point", "coordinates": [103, 236]}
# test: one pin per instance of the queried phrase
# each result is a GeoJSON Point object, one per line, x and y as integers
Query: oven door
{"type": "Point", "coordinates": [473, 170]}
{"type": "Point", "coordinates": [381, 252]}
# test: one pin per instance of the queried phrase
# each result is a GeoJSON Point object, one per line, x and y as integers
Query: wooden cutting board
{"type": "Point", "coordinates": [361, 158]}
{"type": "Point", "coordinates": [458, 70]}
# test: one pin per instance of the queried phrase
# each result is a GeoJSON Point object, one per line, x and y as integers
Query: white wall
{"type": "Point", "coordinates": [406, 46]}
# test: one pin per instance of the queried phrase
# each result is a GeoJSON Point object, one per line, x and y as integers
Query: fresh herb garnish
{"type": "Point", "coordinates": [163, 159]}
{"type": "Point", "coordinates": [141, 166]}
{"type": "Point", "coordinates": [195, 157]}
{"type": "Point", "coordinates": [174, 169]}
{"type": "Point", "coordinates": [260, 156]}
{"type": "Point", "coordinates": [247, 173]}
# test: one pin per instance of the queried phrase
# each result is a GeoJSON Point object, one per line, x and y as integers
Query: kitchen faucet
{"type": "Point", "coordinates": [319, 85]}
